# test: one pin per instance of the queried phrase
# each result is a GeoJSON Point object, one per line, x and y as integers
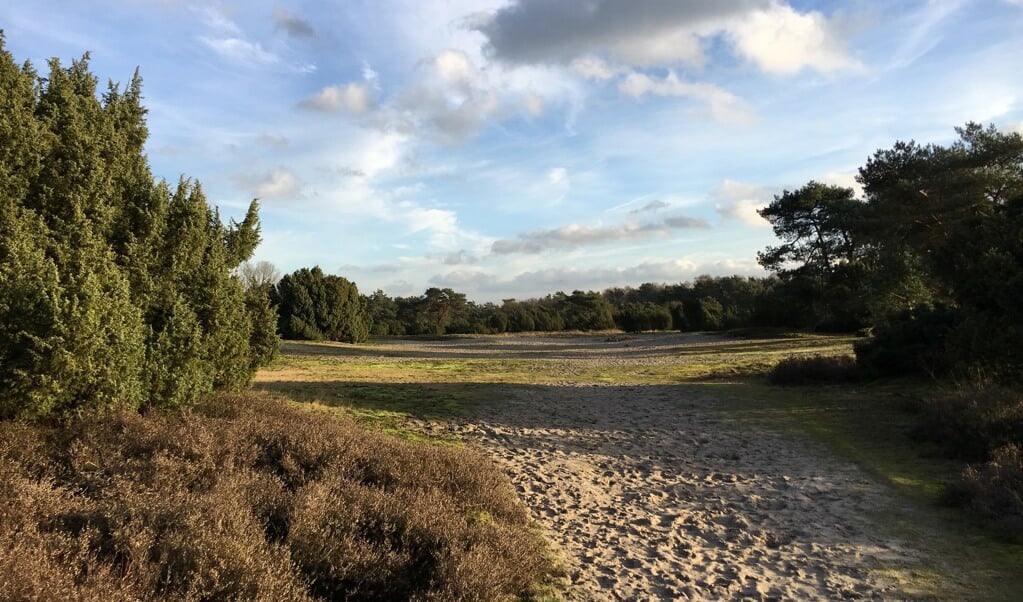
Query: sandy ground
{"type": "Point", "coordinates": [655, 493]}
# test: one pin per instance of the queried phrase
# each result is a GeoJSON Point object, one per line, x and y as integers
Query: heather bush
{"type": "Point", "coordinates": [814, 370]}
{"type": "Point", "coordinates": [994, 491]}
{"type": "Point", "coordinates": [245, 497]}
{"type": "Point", "coordinates": [970, 424]}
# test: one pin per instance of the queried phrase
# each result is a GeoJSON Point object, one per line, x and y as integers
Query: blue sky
{"type": "Point", "coordinates": [513, 149]}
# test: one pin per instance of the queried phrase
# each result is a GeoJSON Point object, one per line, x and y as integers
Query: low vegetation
{"type": "Point", "coordinates": [248, 497]}
{"type": "Point", "coordinates": [814, 369]}
{"type": "Point", "coordinates": [983, 426]}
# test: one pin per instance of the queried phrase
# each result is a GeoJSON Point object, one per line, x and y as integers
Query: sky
{"type": "Point", "coordinates": [515, 148]}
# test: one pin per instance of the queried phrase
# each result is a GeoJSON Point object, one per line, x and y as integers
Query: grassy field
{"type": "Point", "coordinates": [386, 382]}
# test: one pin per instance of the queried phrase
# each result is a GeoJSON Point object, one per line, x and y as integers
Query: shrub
{"type": "Point", "coordinates": [814, 369]}
{"type": "Point", "coordinates": [115, 291]}
{"type": "Point", "coordinates": [913, 342]}
{"type": "Point", "coordinates": [994, 491]}
{"type": "Point", "coordinates": [244, 497]}
{"type": "Point", "coordinates": [970, 424]}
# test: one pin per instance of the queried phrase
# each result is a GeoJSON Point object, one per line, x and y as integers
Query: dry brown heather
{"type": "Point", "coordinates": [247, 497]}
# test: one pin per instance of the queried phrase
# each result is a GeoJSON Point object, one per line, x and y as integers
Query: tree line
{"type": "Point", "coordinates": [319, 306]}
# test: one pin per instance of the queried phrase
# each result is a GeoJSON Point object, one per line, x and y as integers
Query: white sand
{"type": "Point", "coordinates": [655, 493]}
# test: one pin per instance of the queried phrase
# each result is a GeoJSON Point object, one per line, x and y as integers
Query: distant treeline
{"type": "Point", "coordinates": [318, 306]}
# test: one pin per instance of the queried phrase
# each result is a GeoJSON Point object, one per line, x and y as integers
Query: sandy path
{"type": "Point", "coordinates": [652, 494]}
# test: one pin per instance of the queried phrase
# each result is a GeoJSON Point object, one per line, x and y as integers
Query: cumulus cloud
{"type": "Point", "coordinates": [845, 179]}
{"type": "Point", "coordinates": [454, 68]}
{"type": "Point", "coordinates": [294, 26]}
{"type": "Point", "coordinates": [463, 279]}
{"type": "Point", "coordinates": [452, 101]}
{"type": "Point", "coordinates": [721, 104]}
{"type": "Point", "coordinates": [534, 104]}
{"type": "Point", "coordinates": [575, 235]}
{"type": "Point", "coordinates": [782, 41]}
{"type": "Point", "coordinates": [1016, 127]}
{"type": "Point", "coordinates": [593, 67]}
{"type": "Point", "coordinates": [648, 33]}
{"type": "Point", "coordinates": [352, 97]}
{"type": "Point", "coordinates": [459, 258]}
{"type": "Point", "coordinates": [641, 32]}
{"type": "Point", "coordinates": [280, 183]}
{"type": "Point", "coordinates": [741, 201]}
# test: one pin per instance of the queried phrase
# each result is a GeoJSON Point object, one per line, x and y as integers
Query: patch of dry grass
{"type": "Point", "coordinates": [247, 497]}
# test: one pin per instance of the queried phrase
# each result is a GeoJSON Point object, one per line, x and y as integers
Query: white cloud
{"type": "Point", "coordinates": [741, 201]}
{"type": "Point", "coordinates": [1014, 128]}
{"type": "Point", "coordinates": [240, 50]}
{"type": "Point", "coordinates": [454, 68]}
{"type": "Point", "coordinates": [782, 41]}
{"type": "Point", "coordinates": [370, 76]}
{"type": "Point", "coordinates": [722, 104]}
{"type": "Point", "coordinates": [275, 142]}
{"type": "Point", "coordinates": [534, 104]}
{"type": "Point", "coordinates": [231, 43]}
{"type": "Point", "coordinates": [574, 235]}
{"type": "Point", "coordinates": [214, 17]}
{"type": "Point", "coordinates": [593, 67]}
{"type": "Point", "coordinates": [450, 103]}
{"type": "Point", "coordinates": [845, 179]}
{"type": "Point", "coordinates": [280, 183]}
{"type": "Point", "coordinates": [352, 97]}
{"type": "Point", "coordinates": [557, 176]}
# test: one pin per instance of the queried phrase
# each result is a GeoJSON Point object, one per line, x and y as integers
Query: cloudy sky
{"type": "Point", "coordinates": [513, 148]}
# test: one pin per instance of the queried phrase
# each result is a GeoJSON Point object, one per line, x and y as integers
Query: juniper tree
{"type": "Point", "coordinates": [114, 291]}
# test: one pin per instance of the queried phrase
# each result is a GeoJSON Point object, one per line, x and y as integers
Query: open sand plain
{"type": "Point", "coordinates": [654, 492]}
